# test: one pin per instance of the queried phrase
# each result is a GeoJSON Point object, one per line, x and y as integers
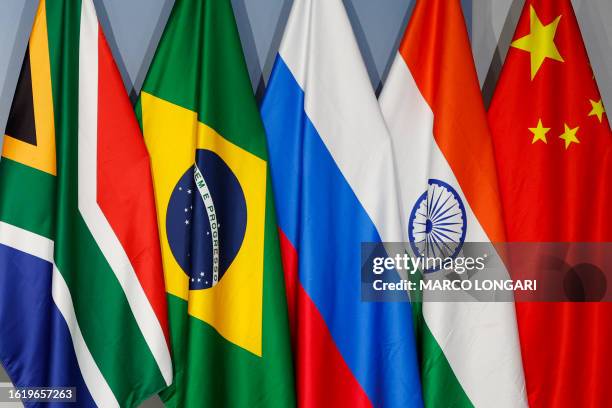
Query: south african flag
{"type": "Point", "coordinates": [82, 299]}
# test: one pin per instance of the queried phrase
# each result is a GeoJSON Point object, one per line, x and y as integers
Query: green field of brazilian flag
{"type": "Point", "coordinates": [227, 307]}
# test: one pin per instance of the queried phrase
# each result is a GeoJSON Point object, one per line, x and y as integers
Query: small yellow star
{"type": "Point", "coordinates": [540, 42]}
{"type": "Point", "coordinates": [539, 132]}
{"type": "Point", "coordinates": [570, 136]}
{"type": "Point", "coordinates": [598, 109]}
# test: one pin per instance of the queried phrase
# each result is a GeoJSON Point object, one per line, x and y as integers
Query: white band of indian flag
{"type": "Point", "coordinates": [434, 111]}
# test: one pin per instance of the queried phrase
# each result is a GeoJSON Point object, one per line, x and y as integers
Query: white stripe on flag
{"type": "Point", "coordinates": [340, 102]}
{"type": "Point", "coordinates": [26, 241]}
{"type": "Point", "coordinates": [42, 248]}
{"type": "Point", "coordinates": [92, 214]}
{"type": "Point", "coordinates": [98, 387]}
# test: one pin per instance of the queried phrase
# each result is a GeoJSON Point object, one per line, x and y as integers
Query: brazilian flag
{"type": "Point", "coordinates": [220, 249]}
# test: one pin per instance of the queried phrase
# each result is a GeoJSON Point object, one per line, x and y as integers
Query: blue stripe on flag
{"type": "Point", "coordinates": [326, 223]}
{"type": "Point", "coordinates": [35, 345]}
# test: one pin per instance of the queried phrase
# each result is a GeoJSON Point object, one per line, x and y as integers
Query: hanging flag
{"type": "Point", "coordinates": [220, 249]}
{"type": "Point", "coordinates": [333, 178]}
{"type": "Point", "coordinates": [432, 104]}
{"type": "Point", "coordinates": [553, 146]}
{"type": "Point", "coordinates": [81, 285]}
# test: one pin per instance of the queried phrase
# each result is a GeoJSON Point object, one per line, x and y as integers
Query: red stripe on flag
{"type": "Point", "coordinates": [322, 377]}
{"type": "Point", "coordinates": [290, 266]}
{"type": "Point", "coordinates": [125, 186]}
{"type": "Point", "coordinates": [566, 353]}
{"type": "Point", "coordinates": [437, 50]}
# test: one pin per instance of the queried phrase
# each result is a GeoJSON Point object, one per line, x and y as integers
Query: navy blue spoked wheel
{"type": "Point", "coordinates": [437, 223]}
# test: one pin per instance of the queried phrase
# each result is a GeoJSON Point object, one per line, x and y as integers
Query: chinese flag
{"type": "Point", "coordinates": [553, 150]}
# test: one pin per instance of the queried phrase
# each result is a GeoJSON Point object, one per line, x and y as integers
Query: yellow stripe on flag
{"type": "Point", "coordinates": [42, 155]}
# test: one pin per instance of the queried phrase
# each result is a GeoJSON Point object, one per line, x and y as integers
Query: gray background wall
{"type": "Point", "coordinates": [133, 28]}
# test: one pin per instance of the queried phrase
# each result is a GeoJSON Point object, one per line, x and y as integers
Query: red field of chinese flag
{"type": "Point", "coordinates": [553, 149]}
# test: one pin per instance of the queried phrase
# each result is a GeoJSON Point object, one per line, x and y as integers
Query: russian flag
{"type": "Point", "coordinates": [335, 187]}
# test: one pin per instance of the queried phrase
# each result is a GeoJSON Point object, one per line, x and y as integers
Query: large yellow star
{"type": "Point", "coordinates": [598, 109]}
{"type": "Point", "coordinates": [540, 42]}
{"type": "Point", "coordinates": [539, 132]}
{"type": "Point", "coordinates": [570, 136]}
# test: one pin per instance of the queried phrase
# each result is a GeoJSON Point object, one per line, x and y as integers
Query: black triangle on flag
{"type": "Point", "coordinates": [21, 123]}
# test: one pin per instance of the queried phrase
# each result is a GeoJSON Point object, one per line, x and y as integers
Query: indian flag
{"type": "Point", "coordinates": [81, 285]}
{"type": "Point", "coordinates": [469, 351]}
